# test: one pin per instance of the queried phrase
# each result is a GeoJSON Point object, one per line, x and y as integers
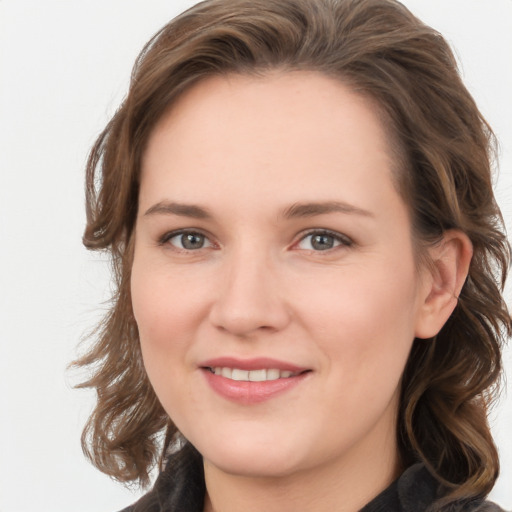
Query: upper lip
{"type": "Point", "coordinates": [257, 363]}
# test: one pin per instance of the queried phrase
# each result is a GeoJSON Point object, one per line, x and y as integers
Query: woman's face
{"type": "Point", "coordinates": [274, 284]}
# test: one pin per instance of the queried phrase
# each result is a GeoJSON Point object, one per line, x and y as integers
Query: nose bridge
{"type": "Point", "coordinates": [249, 297]}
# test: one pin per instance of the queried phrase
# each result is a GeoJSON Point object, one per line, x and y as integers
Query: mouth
{"type": "Point", "coordinates": [252, 381]}
{"type": "Point", "coordinates": [259, 375]}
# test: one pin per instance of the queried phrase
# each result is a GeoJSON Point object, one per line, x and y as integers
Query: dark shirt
{"type": "Point", "coordinates": [416, 490]}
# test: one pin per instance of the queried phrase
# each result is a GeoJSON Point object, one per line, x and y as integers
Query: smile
{"type": "Point", "coordinates": [261, 375]}
{"type": "Point", "coordinates": [252, 381]}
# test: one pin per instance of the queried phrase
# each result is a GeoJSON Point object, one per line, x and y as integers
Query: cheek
{"type": "Point", "coordinates": [164, 312]}
{"type": "Point", "coordinates": [164, 306]}
{"type": "Point", "coordinates": [365, 323]}
{"type": "Point", "coordinates": [158, 311]}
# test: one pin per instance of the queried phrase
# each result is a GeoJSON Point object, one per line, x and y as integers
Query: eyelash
{"type": "Point", "coordinates": [167, 237]}
{"type": "Point", "coordinates": [339, 240]}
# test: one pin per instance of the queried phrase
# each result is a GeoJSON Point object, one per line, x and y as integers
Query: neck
{"type": "Point", "coordinates": [344, 486]}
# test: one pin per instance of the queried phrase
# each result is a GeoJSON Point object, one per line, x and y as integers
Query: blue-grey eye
{"type": "Point", "coordinates": [322, 241]}
{"type": "Point", "coordinates": [189, 241]}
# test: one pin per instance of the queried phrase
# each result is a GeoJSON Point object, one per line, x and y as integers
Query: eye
{"type": "Point", "coordinates": [187, 240]}
{"type": "Point", "coordinates": [323, 241]}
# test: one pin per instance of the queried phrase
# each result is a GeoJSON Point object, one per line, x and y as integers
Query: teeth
{"type": "Point", "coordinates": [257, 375]}
{"type": "Point", "coordinates": [240, 374]}
{"type": "Point", "coordinates": [273, 374]}
{"type": "Point", "coordinates": [252, 375]}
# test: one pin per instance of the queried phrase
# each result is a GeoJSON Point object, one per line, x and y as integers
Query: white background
{"type": "Point", "coordinates": [64, 68]}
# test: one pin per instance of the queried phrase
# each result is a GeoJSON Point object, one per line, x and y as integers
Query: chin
{"type": "Point", "coordinates": [262, 467]}
{"type": "Point", "coordinates": [252, 459]}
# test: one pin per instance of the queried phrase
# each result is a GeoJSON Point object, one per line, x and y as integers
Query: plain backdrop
{"type": "Point", "coordinates": [64, 68]}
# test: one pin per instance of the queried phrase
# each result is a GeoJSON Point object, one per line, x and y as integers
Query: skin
{"type": "Point", "coordinates": [245, 150]}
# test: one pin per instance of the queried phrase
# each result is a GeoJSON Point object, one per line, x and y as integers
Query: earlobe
{"type": "Point", "coordinates": [444, 279]}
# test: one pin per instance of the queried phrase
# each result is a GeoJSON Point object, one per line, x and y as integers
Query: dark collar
{"type": "Point", "coordinates": [414, 491]}
{"type": "Point", "coordinates": [180, 488]}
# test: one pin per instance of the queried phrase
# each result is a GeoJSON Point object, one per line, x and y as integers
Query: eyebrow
{"type": "Point", "coordinates": [312, 209]}
{"type": "Point", "coordinates": [296, 210]}
{"type": "Point", "coordinates": [183, 210]}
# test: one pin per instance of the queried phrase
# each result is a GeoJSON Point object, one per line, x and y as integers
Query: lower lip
{"type": "Point", "coordinates": [247, 392]}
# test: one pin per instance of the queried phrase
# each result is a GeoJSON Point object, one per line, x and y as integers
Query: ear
{"type": "Point", "coordinates": [442, 282]}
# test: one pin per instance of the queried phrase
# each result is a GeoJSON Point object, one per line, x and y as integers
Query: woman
{"type": "Point", "coordinates": [309, 262]}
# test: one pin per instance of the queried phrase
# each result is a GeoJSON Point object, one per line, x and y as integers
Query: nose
{"type": "Point", "coordinates": [250, 298]}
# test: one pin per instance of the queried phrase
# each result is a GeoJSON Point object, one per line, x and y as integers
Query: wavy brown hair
{"type": "Point", "coordinates": [445, 150]}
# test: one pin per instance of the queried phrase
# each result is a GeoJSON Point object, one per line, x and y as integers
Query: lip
{"type": "Point", "coordinates": [257, 363]}
{"type": "Point", "coordinates": [247, 392]}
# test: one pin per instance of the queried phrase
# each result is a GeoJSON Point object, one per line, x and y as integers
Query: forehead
{"type": "Point", "coordinates": [292, 132]}
{"type": "Point", "coordinates": [294, 92]}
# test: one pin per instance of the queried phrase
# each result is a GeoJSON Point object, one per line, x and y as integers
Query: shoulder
{"type": "Point", "coordinates": [179, 487]}
{"type": "Point", "coordinates": [148, 503]}
{"type": "Point", "coordinates": [484, 506]}
{"type": "Point", "coordinates": [419, 490]}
